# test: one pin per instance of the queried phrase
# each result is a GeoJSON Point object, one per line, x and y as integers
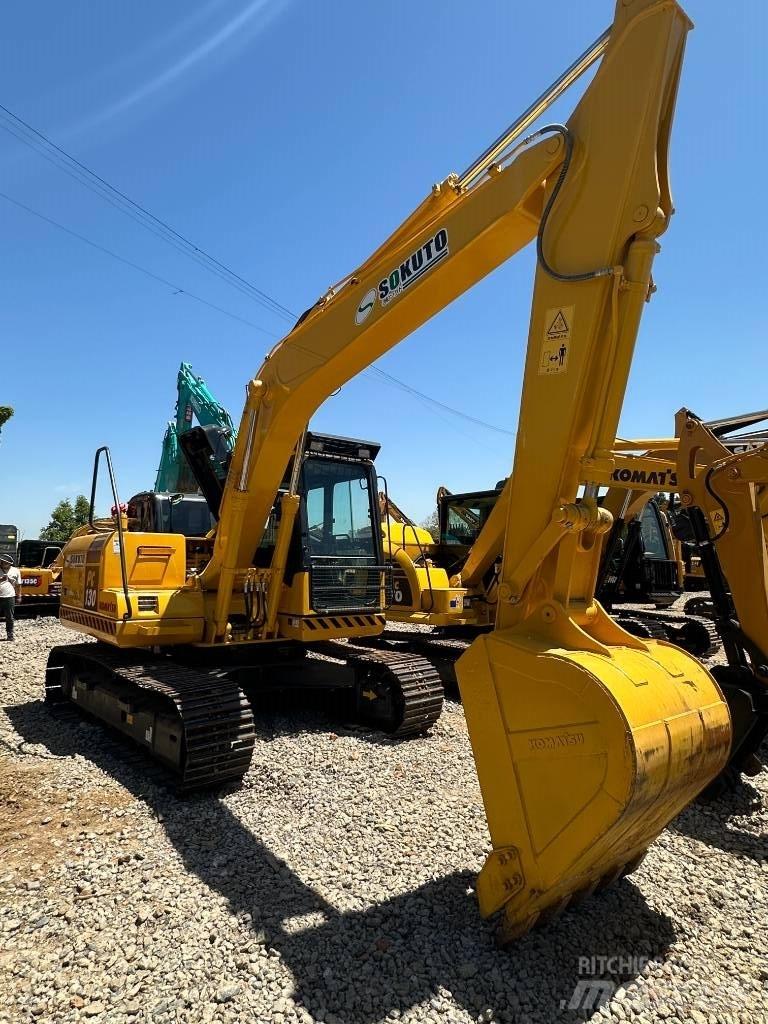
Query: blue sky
{"type": "Point", "coordinates": [287, 138]}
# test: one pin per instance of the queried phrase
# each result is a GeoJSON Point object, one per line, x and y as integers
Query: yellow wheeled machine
{"type": "Point", "coordinates": [587, 741]}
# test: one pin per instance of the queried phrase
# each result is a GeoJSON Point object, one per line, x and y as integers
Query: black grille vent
{"type": "Point", "coordinates": [349, 585]}
{"type": "Point", "coordinates": [661, 573]}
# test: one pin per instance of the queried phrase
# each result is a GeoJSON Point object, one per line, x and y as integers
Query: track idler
{"type": "Point", "coordinates": [586, 746]}
{"type": "Point", "coordinates": [702, 605]}
{"type": "Point", "coordinates": [696, 636]}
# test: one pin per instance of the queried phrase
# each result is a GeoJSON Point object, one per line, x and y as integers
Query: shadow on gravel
{"type": "Point", "coordinates": [712, 822]}
{"type": "Point", "coordinates": [355, 967]}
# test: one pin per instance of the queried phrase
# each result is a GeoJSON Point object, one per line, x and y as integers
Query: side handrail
{"type": "Point", "coordinates": [128, 614]}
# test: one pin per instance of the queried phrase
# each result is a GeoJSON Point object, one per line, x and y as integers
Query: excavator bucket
{"type": "Point", "coordinates": [585, 750]}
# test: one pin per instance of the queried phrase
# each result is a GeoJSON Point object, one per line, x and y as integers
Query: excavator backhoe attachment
{"type": "Point", "coordinates": [587, 740]}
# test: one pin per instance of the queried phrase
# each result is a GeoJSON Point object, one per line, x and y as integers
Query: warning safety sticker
{"type": "Point", "coordinates": [717, 518]}
{"type": "Point", "coordinates": [558, 328]}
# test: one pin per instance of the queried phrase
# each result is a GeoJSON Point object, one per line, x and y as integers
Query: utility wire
{"type": "Point", "coordinates": [89, 179]}
{"type": "Point", "coordinates": [77, 170]}
{"type": "Point", "coordinates": [376, 371]}
{"type": "Point", "coordinates": [177, 290]}
{"type": "Point", "coordinates": [441, 405]}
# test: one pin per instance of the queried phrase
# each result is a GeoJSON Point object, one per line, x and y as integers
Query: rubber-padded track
{"type": "Point", "coordinates": [215, 715]}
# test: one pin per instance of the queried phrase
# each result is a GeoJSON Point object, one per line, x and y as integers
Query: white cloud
{"type": "Point", "coordinates": [253, 19]}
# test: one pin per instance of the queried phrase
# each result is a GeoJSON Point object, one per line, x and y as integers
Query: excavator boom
{"type": "Point", "coordinates": [454, 239]}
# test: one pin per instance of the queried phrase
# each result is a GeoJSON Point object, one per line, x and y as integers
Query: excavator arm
{"type": "Point", "coordinates": [193, 399]}
{"type": "Point", "coordinates": [586, 741]}
{"type": "Point", "coordinates": [593, 193]}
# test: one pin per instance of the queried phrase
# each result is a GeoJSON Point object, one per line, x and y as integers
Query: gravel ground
{"type": "Point", "coordinates": [336, 885]}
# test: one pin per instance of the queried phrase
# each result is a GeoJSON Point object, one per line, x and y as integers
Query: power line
{"type": "Point", "coordinates": [99, 186]}
{"type": "Point", "coordinates": [441, 405]}
{"type": "Point", "coordinates": [80, 172]}
{"type": "Point", "coordinates": [177, 289]}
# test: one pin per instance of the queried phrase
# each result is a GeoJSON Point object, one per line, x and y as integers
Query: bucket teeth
{"type": "Point", "coordinates": [510, 930]}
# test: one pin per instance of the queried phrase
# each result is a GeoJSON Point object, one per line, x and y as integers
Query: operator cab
{"type": "Point", "coordinates": [37, 554]}
{"type": "Point", "coordinates": [341, 541]}
{"type": "Point", "coordinates": [461, 517]}
{"type": "Point", "coordinates": [163, 512]}
{"type": "Point", "coordinates": [336, 539]}
{"type": "Point", "coordinates": [643, 568]}
{"type": "Point", "coordinates": [656, 578]}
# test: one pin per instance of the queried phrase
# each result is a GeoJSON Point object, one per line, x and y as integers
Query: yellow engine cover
{"type": "Point", "coordinates": [583, 758]}
{"type": "Point", "coordinates": [414, 540]}
{"type": "Point", "coordinates": [163, 609]}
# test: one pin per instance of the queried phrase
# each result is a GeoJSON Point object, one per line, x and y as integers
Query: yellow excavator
{"type": "Point", "coordinates": [733, 434]}
{"type": "Point", "coordinates": [39, 564]}
{"type": "Point", "coordinates": [452, 584]}
{"type": "Point", "coordinates": [641, 564]}
{"type": "Point", "coordinates": [134, 583]}
{"type": "Point", "coordinates": [587, 740]}
{"type": "Point", "coordinates": [722, 482]}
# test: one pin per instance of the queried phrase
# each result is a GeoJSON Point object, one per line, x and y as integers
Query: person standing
{"type": "Point", "coordinates": [10, 590]}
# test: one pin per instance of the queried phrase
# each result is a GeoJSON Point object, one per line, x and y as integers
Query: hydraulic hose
{"type": "Point", "coordinates": [720, 502]}
{"type": "Point", "coordinates": [589, 275]}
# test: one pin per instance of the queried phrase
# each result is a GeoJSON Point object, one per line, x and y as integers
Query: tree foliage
{"type": "Point", "coordinates": [66, 518]}
{"type": "Point", "coordinates": [5, 414]}
{"type": "Point", "coordinates": [432, 524]}
{"type": "Point", "coordinates": [82, 510]}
